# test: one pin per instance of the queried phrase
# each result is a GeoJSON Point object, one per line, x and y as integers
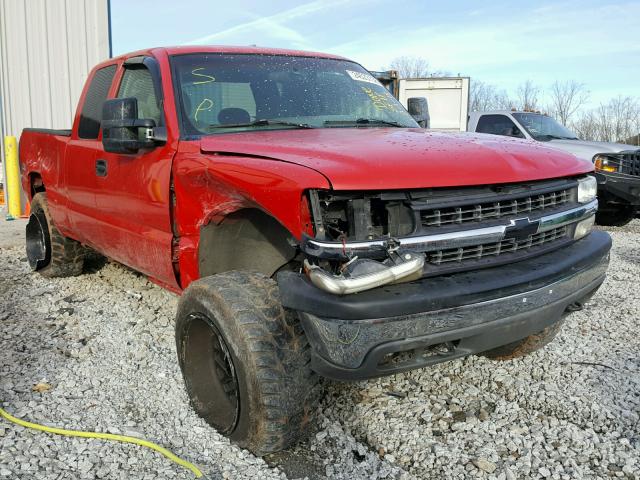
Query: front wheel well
{"type": "Point", "coordinates": [249, 240]}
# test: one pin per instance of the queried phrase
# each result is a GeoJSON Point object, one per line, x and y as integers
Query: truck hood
{"type": "Point", "coordinates": [586, 150]}
{"type": "Point", "coordinates": [399, 158]}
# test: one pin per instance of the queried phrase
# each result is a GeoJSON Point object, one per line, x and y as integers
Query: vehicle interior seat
{"type": "Point", "coordinates": [232, 115]}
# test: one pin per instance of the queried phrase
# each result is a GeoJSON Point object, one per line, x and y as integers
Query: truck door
{"type": "Point", "coordinates": [79, 157]}
{"type": "Point", "coordinates": [133, 190]}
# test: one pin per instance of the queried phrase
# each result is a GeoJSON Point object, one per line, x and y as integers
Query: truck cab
{"type": "Point", "coordinates": [617, 165]}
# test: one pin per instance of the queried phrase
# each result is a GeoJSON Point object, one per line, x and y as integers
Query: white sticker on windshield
{"type": "Point", "coordinates": [362, 77]}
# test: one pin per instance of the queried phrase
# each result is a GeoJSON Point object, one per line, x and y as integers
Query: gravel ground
{"type": "Point", "coordinates": [101, 349]}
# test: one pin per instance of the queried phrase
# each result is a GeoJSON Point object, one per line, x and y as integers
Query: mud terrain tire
{"type": "Point", "coordinates": [49, 252]}
{"type": "Point", "coordinates": [246, 361]}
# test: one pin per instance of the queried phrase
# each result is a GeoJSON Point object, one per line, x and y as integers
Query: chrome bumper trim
{"type": "Point", "coordinates": [560, 219]}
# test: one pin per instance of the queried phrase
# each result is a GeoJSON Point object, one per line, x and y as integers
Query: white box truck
{"type": "Point", "coordinates": [447, 97]}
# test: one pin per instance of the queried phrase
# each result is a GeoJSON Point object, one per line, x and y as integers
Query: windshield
{"type": "Point", "coordinates": [221, 93]}
{"type": "Point", "coordinates": [543, 128]}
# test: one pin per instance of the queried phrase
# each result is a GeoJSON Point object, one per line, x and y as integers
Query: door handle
{"type": "Point", "coordinates": [101, 168]}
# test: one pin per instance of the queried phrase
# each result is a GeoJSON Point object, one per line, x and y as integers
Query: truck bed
{"type": "Point", "coordinates": [42, 154]}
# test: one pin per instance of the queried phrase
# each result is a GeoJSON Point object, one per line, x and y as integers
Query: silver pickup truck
{"type": "Point", "coordinates": [617, 165]}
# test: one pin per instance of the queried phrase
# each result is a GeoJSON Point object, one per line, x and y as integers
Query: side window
{"type": "Point", "coordinates": [137, 83]}
{"type": "Point", "coordinates": [89, 125]}
{"type": "Point", "coordinates": [498, 125]}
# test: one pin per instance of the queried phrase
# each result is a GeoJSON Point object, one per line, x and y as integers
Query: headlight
{"type": "Point", "coordinates": [587, 189]}
{"type": "Point", "coordinates": [603, 163]}
{"type": "Point", "coordinates": [584, 227]}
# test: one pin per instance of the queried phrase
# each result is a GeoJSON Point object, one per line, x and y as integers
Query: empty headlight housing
{"type": "Point", "coordinates": [584, 227]}
{"type": "Point", "coordinates": [587, 189]}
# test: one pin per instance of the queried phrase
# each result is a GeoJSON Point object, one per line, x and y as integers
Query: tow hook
{"type": "Point", "coordinates": [359, 275]}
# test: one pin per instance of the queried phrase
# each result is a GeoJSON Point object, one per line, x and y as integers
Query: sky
{"type": "Point", "coordinates": [499, 42]}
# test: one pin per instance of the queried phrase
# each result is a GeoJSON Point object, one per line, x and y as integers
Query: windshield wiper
{"type": "Point", "coordinates": [363, 121]}
{"type": "Point", "coordinates": [261, 123]}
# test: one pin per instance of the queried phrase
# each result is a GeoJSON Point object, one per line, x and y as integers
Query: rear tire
{"type": "Point", "coordinates": [246, 361]}
{"type": "Point", "coordinates": [615, 218]}
{"type": "Point", "coordinates": [525, 346]}
{"type": "Point", "coordinates": [49, 252]}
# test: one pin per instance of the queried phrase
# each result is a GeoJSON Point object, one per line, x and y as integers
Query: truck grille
{"type": "Point", "coordinates": [631, 163]}
{"type": "Point", "coordinates": [506, 246]}
{"type": "Point", "coordinates": [484, 211]}
{"type": "Point", "coordinates": [361, 216]}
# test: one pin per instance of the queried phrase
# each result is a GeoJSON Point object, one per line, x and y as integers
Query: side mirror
{"type": "Point", "coordinates": [419, 109]}
{"type": "Point", "coordinates": [121, 128]}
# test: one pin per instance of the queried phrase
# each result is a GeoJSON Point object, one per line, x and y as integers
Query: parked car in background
{"type": "Point", "coordinates": [617, 165]}
{"type": "Point", "coordinates": [309, 225]}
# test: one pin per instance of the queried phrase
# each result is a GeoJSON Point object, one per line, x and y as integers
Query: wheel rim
{"type": "Point", "coordinates": [38, 242]}
{"type": "Point", "coordinates": [210, 374]}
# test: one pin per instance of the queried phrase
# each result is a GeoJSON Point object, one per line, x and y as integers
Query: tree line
{"type": "Point", "coordinates": [617, 120]}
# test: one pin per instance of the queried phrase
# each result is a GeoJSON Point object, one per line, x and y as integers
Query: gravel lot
{"type": "Point", "coordinates": [104, 344]}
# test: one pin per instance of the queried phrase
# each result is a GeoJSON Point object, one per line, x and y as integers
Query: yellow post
{"type": "Point", "coordinates": [13, 175]}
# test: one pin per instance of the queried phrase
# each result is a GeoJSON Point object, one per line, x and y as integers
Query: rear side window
{"type": "Point", "coordinates": [498, 125]}
{"type": "Point", "coordinates": [91, 115]}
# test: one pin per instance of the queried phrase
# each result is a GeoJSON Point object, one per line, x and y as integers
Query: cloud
{"type": "Point", "coordinates": [522, 37]}
{"type": "Point", "coordinates": [273, 25]}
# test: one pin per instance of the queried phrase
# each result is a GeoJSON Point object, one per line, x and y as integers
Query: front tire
{"type": "Point", "coordinates": [246, 361]}
{"type": "Point", "coordinates": [525, 346]}
{"type": "Point", "coordinates": [49, 252]}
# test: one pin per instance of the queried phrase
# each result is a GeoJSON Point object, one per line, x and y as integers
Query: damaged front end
{"type": "Point", "coordinates": [399, 280]}
{"type": "Point", "coordinates": [365, 240]}
{"type": "Point", "coordinates": [348, 217]}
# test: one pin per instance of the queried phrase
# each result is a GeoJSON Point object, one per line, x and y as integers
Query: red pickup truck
{"type": "Point", "coordinates": [310, 226]}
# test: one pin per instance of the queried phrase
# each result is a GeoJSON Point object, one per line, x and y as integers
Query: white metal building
{"type": "Point", "coordinates": [47, 48]}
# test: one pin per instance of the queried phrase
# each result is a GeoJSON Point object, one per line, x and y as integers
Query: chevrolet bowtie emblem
{"type": "Point", "coordinates": [521, 228]}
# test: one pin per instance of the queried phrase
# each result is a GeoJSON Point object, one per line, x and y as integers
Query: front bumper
{"type": "Point", "coordinates": [352, 337]}
{"type": "Point", "coordinates": [618, 188]}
